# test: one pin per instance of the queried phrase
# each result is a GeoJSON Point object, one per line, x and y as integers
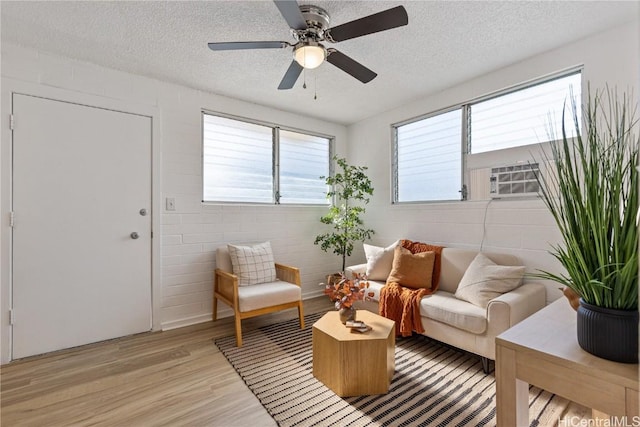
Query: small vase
{"type": "Point", "coordinates": [347, 314]}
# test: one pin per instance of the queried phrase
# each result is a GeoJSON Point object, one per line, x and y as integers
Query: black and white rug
{"type": "Point", "coordinates": [434, 385]}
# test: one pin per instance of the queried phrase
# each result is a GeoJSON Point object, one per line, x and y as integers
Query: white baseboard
{"type": "Point", "coordinates": [222, 312]}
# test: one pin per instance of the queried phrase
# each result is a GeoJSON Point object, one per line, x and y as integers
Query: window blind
{"type": "Point", "coordinates": [303, 160]}
{"type": "Point", "coordinates": [429, 158]}
{"type": "Point", "coordinates": [527, 116]}
{"type": "Point", "coordinates": [237, 161]}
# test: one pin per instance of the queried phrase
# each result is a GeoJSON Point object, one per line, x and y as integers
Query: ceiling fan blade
{"type": "Point", "coordinates": [381, 21]}
{"type": "Point", "coordinates": [290, 77]}
{"type": "Point", "coordinates": [247, 45]}
{"type": "Point", "coordinates": [350, 66]}
{"type": "Point", "coordinates": [291, 13]}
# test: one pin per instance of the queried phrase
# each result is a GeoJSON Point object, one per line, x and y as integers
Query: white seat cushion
{"type": "Point", "coordinates": [267, 294]}
{"type": "Point", "coordinates": [446, 308]}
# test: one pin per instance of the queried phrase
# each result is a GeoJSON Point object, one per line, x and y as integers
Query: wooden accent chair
{"type": "Point", "coordinates": [255, 300]}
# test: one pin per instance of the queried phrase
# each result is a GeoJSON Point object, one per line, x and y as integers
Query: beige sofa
{"type": "Point", "coordinates": [460, 323]}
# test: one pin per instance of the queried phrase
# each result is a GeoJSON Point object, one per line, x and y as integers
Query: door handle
{"type": "Point", "coordinates": [134, 235]}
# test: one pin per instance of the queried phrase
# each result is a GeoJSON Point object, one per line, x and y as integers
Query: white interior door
{"type": "Point", "coordinates": [81, 176]}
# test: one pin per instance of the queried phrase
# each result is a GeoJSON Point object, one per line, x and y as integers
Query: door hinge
{"type": "Point", "coordinates": [11, 121]}
{"type": "Point", "coordinates": [12, 317]}
{"type": "Point", "coordinates": [12, 218]}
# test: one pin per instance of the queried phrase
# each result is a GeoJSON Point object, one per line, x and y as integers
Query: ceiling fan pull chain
{"type": "Point", "coordinates": [315, 87]}
{"type": "Point", "coordinates": [304, 77]}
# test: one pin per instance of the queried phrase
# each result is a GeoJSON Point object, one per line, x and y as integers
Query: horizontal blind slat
{"type": "Point", "coordinates": [525, 116]}
{"type": "Point", "coordinates": [429, 157]}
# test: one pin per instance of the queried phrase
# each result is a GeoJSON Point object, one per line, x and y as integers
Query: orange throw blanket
{"type": "Point", "coordinates": [402, 305]}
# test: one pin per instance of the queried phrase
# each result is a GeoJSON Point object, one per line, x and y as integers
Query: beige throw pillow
{"type": "Point", "coordinates": [253, 264]}
{"type": "Point", "coordinates": [412, 270]}
{"type": "Point", "coordinates": [484, 280]}
{"type": "Point", "coordinates": [379, 261]}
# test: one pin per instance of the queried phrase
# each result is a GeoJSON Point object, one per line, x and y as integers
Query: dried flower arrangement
{"type": "Point", "coordinates": [344, 292]}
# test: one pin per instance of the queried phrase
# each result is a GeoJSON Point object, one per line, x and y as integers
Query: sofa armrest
{"type": "Point", "coordinates": [359, 269]}
{"type": "Point", "coordinates": [520, 303]}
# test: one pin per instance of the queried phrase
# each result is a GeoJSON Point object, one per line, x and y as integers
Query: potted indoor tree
{"type": "Point", "coordinates": [350, 189]}
{"type": "Point", "coordinates": [592, 193]}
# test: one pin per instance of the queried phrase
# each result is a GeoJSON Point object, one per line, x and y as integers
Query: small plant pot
{"type": "Point", "coordinates": [608, 333]}
{"type": "Point", "coordinates": [347, 314]}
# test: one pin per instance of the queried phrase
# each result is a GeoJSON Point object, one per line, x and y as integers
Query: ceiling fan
{"type": "Point", "coordinates": [309, 27]}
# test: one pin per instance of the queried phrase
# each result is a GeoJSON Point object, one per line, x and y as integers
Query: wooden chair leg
{"type": "Point", "coordinates": [215, 308]}
{"type": "Point", "coordinates": [301, 315]}
{"type": "Point", "coordinates": [238, 330]}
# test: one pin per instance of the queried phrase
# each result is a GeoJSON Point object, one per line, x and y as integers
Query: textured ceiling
{"type": "Point", "coordinates": [445, 43]}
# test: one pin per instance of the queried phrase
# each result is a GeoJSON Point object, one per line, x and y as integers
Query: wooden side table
{"type": "Point", "coordinates": [543, 350]}
{"type": "Point", "coordinates": [352, 363]}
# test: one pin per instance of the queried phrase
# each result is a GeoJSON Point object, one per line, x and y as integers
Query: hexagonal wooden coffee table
{"type": "Point", "coordinates": [353, 363]}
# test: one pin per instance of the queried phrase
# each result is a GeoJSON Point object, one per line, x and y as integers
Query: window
{"type": "Point", "coordinates": [256, 163]}
{"type": "Point", "coordinates": [430, 152]}
{"type": "Point", "coordinates": [428, 157]}
{"type": "Point", "coordinates": [523, 117]}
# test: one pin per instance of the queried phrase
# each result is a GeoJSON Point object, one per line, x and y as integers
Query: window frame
{"type": "Point", "coordinates": [394, 155]}
{"type": "Point", "coordinates": [275, 159]}
{"type": "Point", "coordinates": [466, 131]}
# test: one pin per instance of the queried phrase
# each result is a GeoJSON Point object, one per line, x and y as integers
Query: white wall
{"type": "Point", "coordinates": [521, 227]}
{"type": "Point", "coordinates": [189, 235]}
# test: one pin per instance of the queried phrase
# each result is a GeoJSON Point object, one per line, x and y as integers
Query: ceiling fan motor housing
{"type": "Point", "coordinates": [317, 21]}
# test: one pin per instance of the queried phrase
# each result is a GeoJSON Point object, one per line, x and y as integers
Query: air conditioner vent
{"type": "Point", "coordinates": [514, 181]}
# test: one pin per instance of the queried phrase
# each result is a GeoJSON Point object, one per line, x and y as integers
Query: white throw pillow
{"type": "Point", "coordinates": [484, 280]}
{"type": "Point", "coordinates": [379, 261]}
{"type": "Point", "coordinates": [253, 264]}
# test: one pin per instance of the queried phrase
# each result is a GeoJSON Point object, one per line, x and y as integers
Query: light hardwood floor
{"type": "Point", "coordinates": [172, 378]}
{"type": "Point", "coordinates": [177, 377]}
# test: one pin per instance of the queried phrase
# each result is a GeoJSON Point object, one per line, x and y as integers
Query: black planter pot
{"type": "Point", "coordinates": [608, 333]}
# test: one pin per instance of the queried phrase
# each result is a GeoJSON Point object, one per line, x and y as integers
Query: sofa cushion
{"type": "Point", "coordinates": [446, 308]}
{"type": "Point", "coordinates": [484, 280]}
{"type": "Point", "coordinates": [412, 270]}
{"type": "Point", "coordinates": [455, 262]}
{"type": "Point", "coordinates": [379, 261]}
{"type": "Point", "coordinates": [253, 264]}
{"type": "Point", "coordinates": [267, 295]}
{"type": "Point", "coordinates": [417, 247]}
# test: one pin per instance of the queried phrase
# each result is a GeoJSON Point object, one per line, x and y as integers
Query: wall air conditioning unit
{"type": "Point", "coordinates": [514, 181]}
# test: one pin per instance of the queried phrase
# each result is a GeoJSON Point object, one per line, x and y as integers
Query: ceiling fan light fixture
{"type": "Point", "coordinates": [310, 55]}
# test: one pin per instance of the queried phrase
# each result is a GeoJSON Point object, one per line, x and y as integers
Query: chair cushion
{"type": "Point", "coordinates": [253, 264]}
{"type": "Point", "coordinates": [484, 280]}
{"type": "Point", "coordinates": [267, 295]}
{"type": "Point", "coordinates": [446, 308]}
{"type": "Point", "coordinates": [379, 261]}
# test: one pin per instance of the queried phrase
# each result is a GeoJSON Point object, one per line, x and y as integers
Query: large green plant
{"type": "Point", "coordinates": [350, 188]}
{"type": "Point", "coordinates": [593, 197]}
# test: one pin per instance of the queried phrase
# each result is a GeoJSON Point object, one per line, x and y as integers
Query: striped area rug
{"type": "Point", "coordinates": [433, 385]}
